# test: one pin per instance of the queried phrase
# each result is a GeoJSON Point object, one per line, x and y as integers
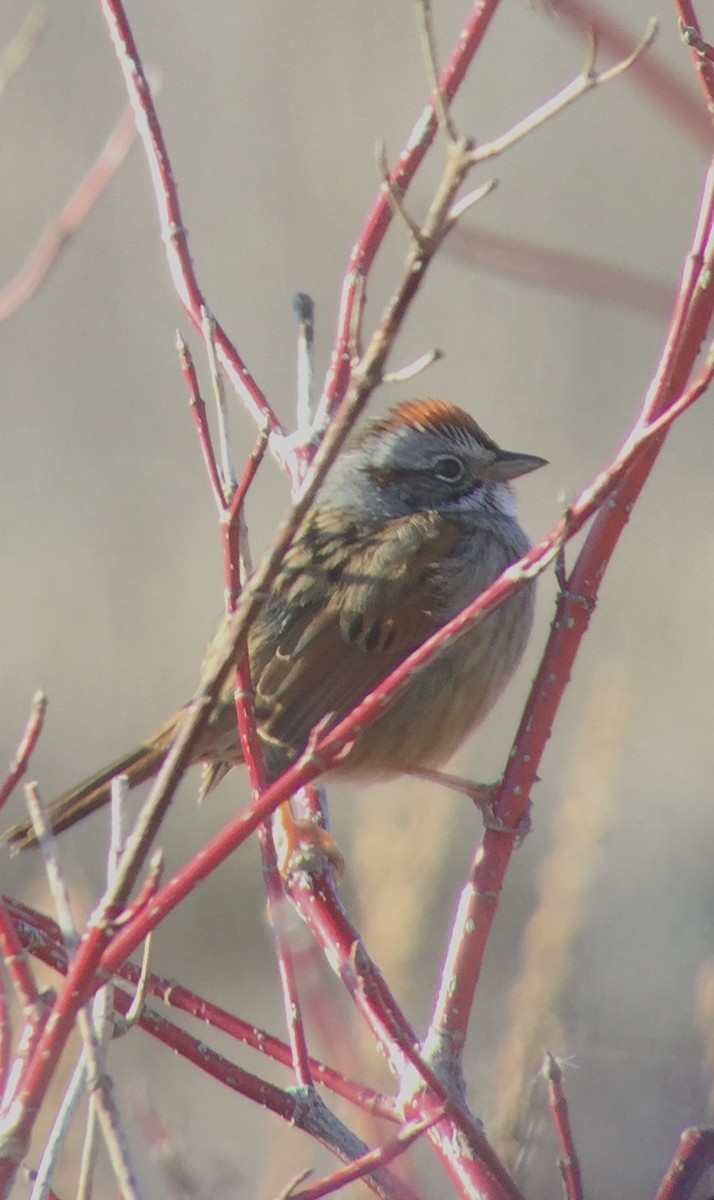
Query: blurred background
{"type": "Point", "coordinates": [111, 573]}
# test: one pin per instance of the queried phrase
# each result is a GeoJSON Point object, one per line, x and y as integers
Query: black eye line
{"type": "Point", "coordinates": [383, 477]}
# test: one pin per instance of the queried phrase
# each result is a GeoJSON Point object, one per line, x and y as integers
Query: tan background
{"type": "Point", "coordinates": [110, 576]}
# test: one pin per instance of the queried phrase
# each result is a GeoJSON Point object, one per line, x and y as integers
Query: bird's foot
{"type": "Point", "coordinates": [484, 796]}
{"type": "Point", "coordinates": [304, 845]}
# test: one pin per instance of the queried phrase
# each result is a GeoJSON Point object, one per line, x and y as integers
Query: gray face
{"type": "Point", "coordinates": [400, 471]}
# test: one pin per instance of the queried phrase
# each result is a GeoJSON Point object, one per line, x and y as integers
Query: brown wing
{"type": "Point", "coordinates": [351, 603]}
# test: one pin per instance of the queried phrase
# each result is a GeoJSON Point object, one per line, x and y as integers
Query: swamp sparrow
{"type": "Point", "coordinates": [414, 519]}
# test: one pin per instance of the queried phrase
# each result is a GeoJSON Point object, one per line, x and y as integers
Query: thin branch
{"type": "Point", "coordinates": [200, 419]}
{"type": "Point", "coordinates": [26, 746]}
{"type": "Point", "coordinates": [394, 195]}
{"type": "Point", "coordinates": [55, 1140]}
{"type": "Point", "coordinates": [32, 1005]}
{"type": "Point", "coordinates": [411, 370]}
{"type": "Point", "coordinates": [379, 218]}
{"type": "Point", "coordinates": [460, 207]}
{"type": "Point", "coordinates": [569, 1162]}
{"type": "Point", "coordinates": [428, 41]}
{"type": "Point", "coordinates": [671, 96]}
{"type": "Point", "coordinates": [229, 477]}
{"type": "Point", "coordinates": [43, 938]}
{"type": "Point", "coordinates": [588, 79]}
{"type": "Point", "coordinates": [367, 1163]}
{"type": "Point", "coordinates": [53, 870]}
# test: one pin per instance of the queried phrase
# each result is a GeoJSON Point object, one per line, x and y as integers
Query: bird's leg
{"type": "Point", "coordinates": [483, 796]}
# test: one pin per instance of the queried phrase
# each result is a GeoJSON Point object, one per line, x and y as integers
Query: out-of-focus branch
{"type": "Point", "coordinates": [566, 272]}
{"type": "Point", "coordinates": [21, 46]}
{"type": "Point", "coordinates": [72, 217]}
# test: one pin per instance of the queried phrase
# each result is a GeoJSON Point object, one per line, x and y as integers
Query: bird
{"type": "Point", "coordinates": [415, 518]}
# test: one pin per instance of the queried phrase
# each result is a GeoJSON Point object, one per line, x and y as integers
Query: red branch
{"type": "Point", "coordinates": [694, 1158]}
{"type": "Point", "coordinates": [173, 230]}
{"type": "Point", "coordinates": [702, 52]}
{"type": "Point", "coordinates": [569, 1163]}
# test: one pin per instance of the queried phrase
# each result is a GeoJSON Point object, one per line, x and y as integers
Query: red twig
{"type": "Point", "coordinates": [200, 420]}
{"type": "Point", "coordinates": [75, 212]}
{"type": "Point", "coordinates": [148, 889]}
{"type": "Point", "coordinates": [694, 1157]}
{"type": "Point", "coordinates": [380, 215]}
{"type": "Point", "coordinates": [286, 1104]}
{"type": "Point", "coordinates": [15, 962]}
{"type": "Point", "coordinates": [173, 231]}
{"type": "Point", "coordinates": [368, 1162]}
{"type": "Point", "coordinates": [255, 458]}
{"type": "Point", "coordinates": [25, 749]}
{"type": "Point", "coordinates": [569, 1162]}
{"type": "Point", "coordinates": [19, 1117]}
{"type": "Point", "coordinates": [702, 52]}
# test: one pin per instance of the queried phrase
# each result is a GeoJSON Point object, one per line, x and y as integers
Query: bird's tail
{"type": "Point", "coordinates": [138, 765]}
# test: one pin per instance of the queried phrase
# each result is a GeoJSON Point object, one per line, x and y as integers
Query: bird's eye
{"type": "Point", "coordinates": [449, 468]}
